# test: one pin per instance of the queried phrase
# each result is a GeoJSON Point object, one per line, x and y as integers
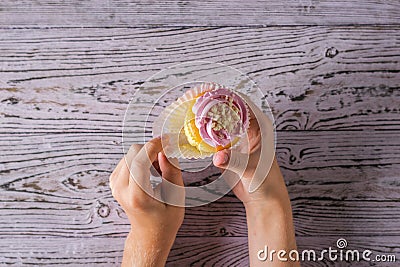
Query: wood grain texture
{"type": "Point", "coordinates": [224, 251]}
{"type": "Point", "coordinates": [219, 251]}
{"type": "Point", "coordinates": [70, 57]}
{"type": "Point", "coordinates": [330, 70]}
{"type": "Point", "coordinates": [316, 78]}
{"type": "Point", "coordinates": [57, 185]}
{"type": "Point", "coordinates": [197, 13]}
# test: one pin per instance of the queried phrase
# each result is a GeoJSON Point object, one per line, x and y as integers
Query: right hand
{"type": "Point", "coordinates": [253, 161]}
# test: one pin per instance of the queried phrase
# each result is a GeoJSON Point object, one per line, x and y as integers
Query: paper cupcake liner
{"type": "Point", "coordinates": [171, 122]}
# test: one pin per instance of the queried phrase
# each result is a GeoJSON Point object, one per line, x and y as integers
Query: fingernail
{"type": "Point", "coordinates": [224, 158]}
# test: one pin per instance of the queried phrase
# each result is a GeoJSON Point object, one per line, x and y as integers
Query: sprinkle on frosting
{"type": "Point", "coordinates": [220, 115]}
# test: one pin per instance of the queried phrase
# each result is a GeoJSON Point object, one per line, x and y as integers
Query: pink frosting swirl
{"type": "Point", "coordinates": [221, 115]}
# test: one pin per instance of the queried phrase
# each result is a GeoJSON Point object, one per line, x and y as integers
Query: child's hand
{"type": "Point", "coordinates": [254, 159]}
{"type": "Point", "coordinates": [153, 224]}
{"type": "Point", "coordinates": [261, 189]}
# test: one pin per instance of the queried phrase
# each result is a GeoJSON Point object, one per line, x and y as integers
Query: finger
{"type": "Point", "coordinates": [140, 167]}
{"type": "Point", "coordinates": [127, 159]}
{"type": "Point", "coordinates": [155, 168]}
{"type": "Point", "coordinates": [119, 179]}
{"type": "Point", "coordinates": [169, 170]}
{"type": "Point", "coordinates": [265, 157]}
{"type": "Point", "coordinates": [124, 161]}
{"type": "Point", "coordinates": [231, 160]}
{"type": "Point", "coordinates": [172, 190]}
{"type": "Point", "coordinates": [148, 153]}
{"type": "Point", "coordinates": [262, 119]}
{"type": "Point", "coordinates": [115, 172]}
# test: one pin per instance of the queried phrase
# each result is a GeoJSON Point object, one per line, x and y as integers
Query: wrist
{"type": "Point", "coordinates": [151, 239]}
{"type": "Point", "coordinates": [270, 223]}
{"type": "Point", "coordinates": [264, 205]}
{"type": "Point", "coordinates": [274, 202]}
{"type": "Point", "coordinates": [142, 249]}
{"type": "Point", "coordinates": [272, 192]}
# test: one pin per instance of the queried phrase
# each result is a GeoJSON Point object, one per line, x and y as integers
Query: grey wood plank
{"type": "Point", "coordinates": [234, 251]}
{"type": "Point", "coordinates": [54, 184]}
{"type": "Point", "coordinates": [296, 150]}
{"type": "Point", "coordinates": [219, 251]}
{"type": "Point", "coordinates": [61, 251]}
{"type": "Point", "coordinates": [314, 215]}
{"type": "Point", "coordinates": [57, 185]}
{"type": "Point", "coordinates": [197, 13]}
{"type": "Point", "coordinates": [102, 109]}
{"type": "Point", "coordinates": [316, 78]}
{"type": "Point", "coordinates": [45, 57]}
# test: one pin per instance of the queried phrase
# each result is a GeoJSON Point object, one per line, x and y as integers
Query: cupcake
{"type": "Point", "coordinates": [206, 119]}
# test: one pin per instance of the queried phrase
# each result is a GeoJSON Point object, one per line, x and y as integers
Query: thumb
{"type": "Point", "coordinates": [231, 160]}
{"type": "Point", "coordinates": [170, 170]}
{"type": "Point", "coordinates": [171, 192]}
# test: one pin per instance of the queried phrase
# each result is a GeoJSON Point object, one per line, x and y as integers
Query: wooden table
{"type": "Point", "coordinates": [330, 70]}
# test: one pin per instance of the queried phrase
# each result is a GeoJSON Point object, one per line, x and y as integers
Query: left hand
{"type": "Point", "coordinates": [153, 224]}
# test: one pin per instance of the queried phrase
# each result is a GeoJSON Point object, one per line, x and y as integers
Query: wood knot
{"type": "Point", "coordinates": [331, 52]}
{"type": "Point", "coordinates": [103, 211]}
{"type": "Point", "coordinates": [223, 231]}
{"type": "Point", "coordinates": [292, 159]}
{"type": "Point", "coordinates": [11, 101]}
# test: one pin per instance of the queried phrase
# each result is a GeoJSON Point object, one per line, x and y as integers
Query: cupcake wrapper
{"type": "Point", "coordinates": [171, 123]}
